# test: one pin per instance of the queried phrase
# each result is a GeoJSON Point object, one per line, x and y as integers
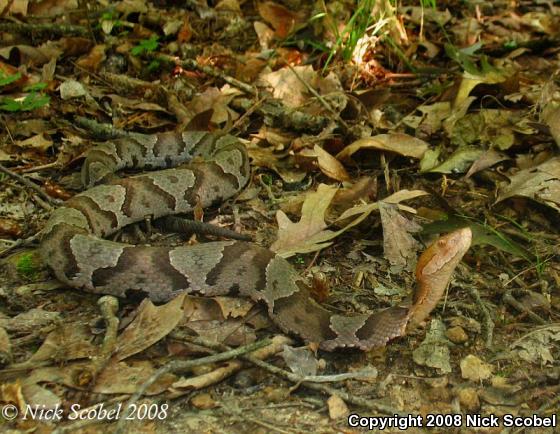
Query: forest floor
{"type": "Point", "coordinates": [371, 130]}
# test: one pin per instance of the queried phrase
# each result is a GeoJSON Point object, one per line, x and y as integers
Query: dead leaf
{"type": "Point", "coordinates": [151, 324]}
{"type": "Point", "coordinates": [538, 346]}
{"type": "Point", "coordinates": [330, 166]}
{"type": "Point", "coordinates": [37, 143]}
{"type": "Point", "coordinates": [364, 189]}
{"type": "Point", "coordinates": [72, 89]}
{"type": "Point", "coordinates": [203, 401]}
{"type": "Point", "coordinates": [399, 247]}
{"type": "Point", "coordinates": [337, 407]}
{"type": "Point", "coordinates": [486, 160]}
{"type": "Point", "coordinates": [30, 320]}
{"type": "Point", "coordinates": [5, 348]}
{"type": "Point", "coordinates": [92, 61]}
{"type": "Point", "coordinates": [470, 81]}
{"type": "Point", "coordinates": [434, 349]}
{"type": "Point", "coordinates": [301, 361]}
{"type": "Point", "coordinates": [399, 143]}
{"type": "Point", "coordinates": [475, 369]}
{"type": "Point", "coordinates": [67, 342]}
{"type": "Point", "coordinates": [301, 236]}
{"type": "Point", "coordinates": [264, 33]}
{"type": "Point", "coordinates": [121, 377]}
{"type": "Point", "coordinates": [540, 183]}
{"type": "Point", "coordinates": [280, 18]}
{"type": "Point", "coordinates": [287, 85]}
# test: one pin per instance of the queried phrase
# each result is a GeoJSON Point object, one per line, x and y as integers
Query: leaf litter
{"type": "Point", "coordinates": [356, 141]}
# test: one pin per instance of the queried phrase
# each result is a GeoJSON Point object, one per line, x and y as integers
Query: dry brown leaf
{"type": "Point", "coordinates": [399, 247]}
{"type": "Point", "coordinates": [37, 143]}
{"type": "Point", "coordinates": [14, 7]}
{"type": "Point", "coordinates": [234, 307]}
{"type": "Point", "coordinates": [540, 183]}
{"type": "Point", "coordinates": [264, 33]}
{"type": "Point", "coordinates": [337, 407]}
{"type": "Point", "coordinates": [67, 342]}
{"type": "Point", "coordinates": [280, 18]}
{"type": "Point", "coordinates": [552, 119]}
{"type": "Point", "coordinates": [287, 84]}
{"type": "Point", "coordinates": [308, 234]}
{"type": "Point", "coordinates": [121, 377]}
{"type": "Point", "coordinates": [364, 189]}
{"type": "Point", "coordinates": [330, 166]}
{"type": "Point", "coordinates": [151, 324]}
{"type": "Point", "coordinates": [48, 8]}
{"type": "Point", "coordinates": [399, 143]}
{"type": "Point", "coordinates": [486, 160]}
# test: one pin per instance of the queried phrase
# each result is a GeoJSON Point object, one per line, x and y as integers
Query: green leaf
{"type": "Point", "coordinates": [35, 87]}
{"type": "Point", "coordinates": [7, 79]}
{"type": "Point", "coordinates": [145, 46]}
{"type": "Point", "coordinates": [30, 102]}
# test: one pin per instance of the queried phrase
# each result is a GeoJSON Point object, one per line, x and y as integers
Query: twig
{"type": "Point", "coordinates": [22, 242]}
{"type": "Point", "coordinates": [488, 324]}
{"type": "Point", "coordinates": [356, 400]}
{"type": "Point", "coordinates": [189, 226]}
{"type": "Point", "coordinates": [320, 98]}
{"type": "Point", "coordinates": [244, 116]}
{"type": "Point", "coordinates": [193, 65]}
{"type": "Point", "coordinates": [52, 28]}
{"type": "Point", "coordinates": [276, 114]}
{"type": "Point", "coordinates": [30, 185]}
{"type": "Point", "coordinates": [510, 299]}
{"type": "Point", "coordinates": [109, 306]}
{"type": "Point", "coordinates": [182, 365]}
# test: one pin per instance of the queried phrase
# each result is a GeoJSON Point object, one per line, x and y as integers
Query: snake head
{"type": "Point", "coordinates": [434, 270]}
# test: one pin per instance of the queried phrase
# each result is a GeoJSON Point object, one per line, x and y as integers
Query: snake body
{"type": "Point", "coordinates": [203, 169]}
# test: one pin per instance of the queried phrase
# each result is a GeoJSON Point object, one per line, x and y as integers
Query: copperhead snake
{"type": "Point", "coordinates": [217, 168]}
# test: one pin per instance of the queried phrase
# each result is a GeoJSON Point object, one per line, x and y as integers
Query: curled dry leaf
{"type": "Point", "coordinates": [67, 342]}
{"type": "Point", "coordinates": [330, 166]}
{"type": "Point", "coordinates": [399, 247]}
{"type": "Point", "coordinates": [540, 183]}
{"type": "Point", "coordinates": [280, 18]}
{"type": "Point", "coordinates": [399, 143]}
{"type": "Point", "coordinates": [122, 377]}
{"type": "Point", "coordinates": [309, 234]}
{"type": "Point", "coordinates": [291, 85]}
{"type": "Point", "coordinates": [151, 324]}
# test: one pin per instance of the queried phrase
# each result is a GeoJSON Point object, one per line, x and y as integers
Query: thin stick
{"type": "Point", "coordinates": [356, 400]}
{"type": "Point", "coordinates": [30, 185]}
{"type": "Point", "coordinates": [320, 98]}
{"type": "Point", "coordinates": [191, 65]}
{"type": "Point", "coordinates": [184, 365]}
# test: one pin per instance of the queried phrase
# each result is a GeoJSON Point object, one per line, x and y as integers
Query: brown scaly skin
{"type": "Point", "coordinates": [74, 248]}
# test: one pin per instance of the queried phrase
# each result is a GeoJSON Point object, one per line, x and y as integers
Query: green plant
{"type": "Point", "coordinates": [467, 59]}
{"type": "Point", "coordinates": [26, 266]}
{"type": "Point", "coordinates": [33, 100]}
{"type": "Point", "coordinates": [145, 46]}
{"type": "Point", "coordinates": [30, 102]}
{"type": "Point", "coordinates": [109, 21]}
{"type": "Point", "coordinates": [7, 79]}
{"type": "Point", "coordinates": [354, 30]}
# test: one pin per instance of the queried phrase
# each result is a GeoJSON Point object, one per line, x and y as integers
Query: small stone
{"type": "Point", "coordinates": [475, 369]}
{"type": "Point", "coordinates": [337, 407]}
{"type": "Point", "coordinates": [457, 335]}
{"type": "Point", "coordinates": [468, 398]}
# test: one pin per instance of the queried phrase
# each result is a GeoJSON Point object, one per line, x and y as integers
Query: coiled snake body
{"type": "Point", "coordinates": [218, 168]}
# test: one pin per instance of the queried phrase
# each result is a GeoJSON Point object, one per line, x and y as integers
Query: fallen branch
{"type": "Point", "coordinates": [29, 184]}
{"type": "Point", "coordinates": [185, 365]}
